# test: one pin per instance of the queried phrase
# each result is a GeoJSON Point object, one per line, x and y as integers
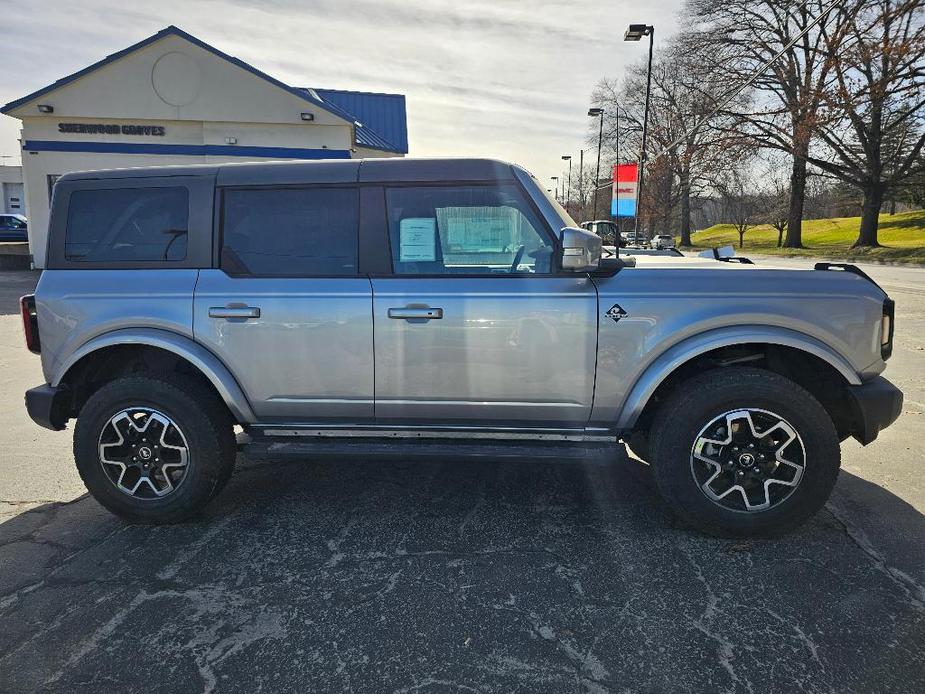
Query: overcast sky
{"type": "Point", "coordinates": [501, 78]}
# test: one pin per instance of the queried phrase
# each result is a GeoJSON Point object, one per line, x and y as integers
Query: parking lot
{"type": "Point", "coordinates": [458, 576]}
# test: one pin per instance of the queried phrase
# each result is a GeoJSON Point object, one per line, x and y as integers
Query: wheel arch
{"type": "Point", "coordinates": [182, 348]}
{"type": "Point", "coordinates": [754, 342]}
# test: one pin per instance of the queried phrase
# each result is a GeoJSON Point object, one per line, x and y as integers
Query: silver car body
{"type": "Point", "coordinates": [510, 354]}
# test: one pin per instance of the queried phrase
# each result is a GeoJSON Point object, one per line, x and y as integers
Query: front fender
{"type": "Point", "coordinates": [676, 355]}
{"type": "Point", "coordinates": [204, 360]}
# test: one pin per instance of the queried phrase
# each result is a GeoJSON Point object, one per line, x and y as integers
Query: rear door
{"type": "Point", "coordinates": [476, 326]}
{"type": "Point", "coordinates": [286, 309]}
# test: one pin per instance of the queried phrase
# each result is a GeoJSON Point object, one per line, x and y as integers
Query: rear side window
{"type": "Point", "coordinates": [291, 232]}
{"type": "Point", "coordinates": [127, 225]}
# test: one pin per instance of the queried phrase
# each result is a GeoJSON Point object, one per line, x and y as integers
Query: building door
{"type": "Point", "coordinates": [287, 311]}
{"type": "Point", "coordinates": [13, 198]}
{"type": "Point", "coordinates": [475, 326]}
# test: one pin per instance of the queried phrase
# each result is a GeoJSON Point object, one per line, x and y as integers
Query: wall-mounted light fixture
{"type": "Point", "coordinates": [231, 140]}
{"type": "Point", "coordinates": [46, 108]}
{"type": "Point", "coordinates": [308, 116]}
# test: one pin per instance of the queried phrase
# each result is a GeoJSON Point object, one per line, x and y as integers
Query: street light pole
{"type": "Point", "coordinates": [616, 186]}
{"type": "Point", "coordinates": [599, 112]}
{"type": "Point", "coordinates": [568, 191]}
{"type": "Point", "coordinates": [634, 33]}
{"type": "Point", "coordinates": [556, 179]}
{"type": "Point", "coordinates": [581, 190]}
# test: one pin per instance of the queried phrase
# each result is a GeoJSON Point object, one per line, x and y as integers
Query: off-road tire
{"type": "Point", "coordinates": [702, 398]}
{"type": "Point", "coordinates": [200, 415]}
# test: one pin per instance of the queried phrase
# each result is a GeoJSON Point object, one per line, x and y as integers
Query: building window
{"type": "Point", "coordinates": [291, 232]}
{"type": "Point", "coordinates": [127, 225]}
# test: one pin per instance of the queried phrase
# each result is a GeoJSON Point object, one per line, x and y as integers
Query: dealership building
{"type": "Point", "coordinates": [174, 99]}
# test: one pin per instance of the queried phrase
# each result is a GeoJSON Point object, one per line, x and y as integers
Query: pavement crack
{"type": "Point", "coordinates": [914, 591]}
{"type": "Point", "coordinates": [10, 598]}
{"type": "Point", "coordinates": [704, 624]}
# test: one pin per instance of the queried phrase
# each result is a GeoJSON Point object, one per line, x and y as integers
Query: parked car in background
{"type": "Point", "coordinates": [663, 241]}
{"type": "Point", "coordinates": [14, 227]}
{"type": "Point", "coordinates": [433, 300]}
{"type": "Point", "coordinates": [604, 228]}
{"type": "Point", "coordinates": [633, 238]}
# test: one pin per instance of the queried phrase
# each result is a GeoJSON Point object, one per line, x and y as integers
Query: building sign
{"type": "Point", "coordinates": [112, 129]}
{"type": "Point", "coordinates": [625, 183]}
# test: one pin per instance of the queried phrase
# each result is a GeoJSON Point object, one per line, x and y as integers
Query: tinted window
{"type": "Point", "coordinates": [127, 225]}
{"type": "Point", "coordinates": [466, 230]}
{"type": "Point", "coordinates": [295, 232]}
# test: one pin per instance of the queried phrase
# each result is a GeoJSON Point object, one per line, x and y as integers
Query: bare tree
{"type": "Point", "coordinates": [874, 134]}
{"type": "Point", "coordinates": [740, 36]}
{"type": "Point", "coordinates": [739, 203]}
{"type": "Point", "coordinates": [776, 196]}
{"type": "Point", "coordinates": [683, 92]}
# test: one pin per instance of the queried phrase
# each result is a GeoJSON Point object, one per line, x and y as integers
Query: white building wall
{"type": "Point", "coordinates": [197, 97]}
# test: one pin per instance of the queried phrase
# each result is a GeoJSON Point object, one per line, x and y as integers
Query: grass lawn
{"type": "Point", "coordinates": [901, 235]}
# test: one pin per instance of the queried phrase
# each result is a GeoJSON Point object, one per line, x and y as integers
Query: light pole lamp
{"type": "Point", "coordinates": [568, 191]}
{"type": "Point", "coordinates": [556, 179]}
{"type": "Point", "coordinates": [635, 32]}
{"type": "Point", "coordinates": [597, 113]}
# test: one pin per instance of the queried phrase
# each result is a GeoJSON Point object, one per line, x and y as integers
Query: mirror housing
{"type": "Point", "coordinates": [581, 250]}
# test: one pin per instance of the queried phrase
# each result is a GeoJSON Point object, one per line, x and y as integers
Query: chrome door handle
{"type": "Point", "coordinates": [234, 312]}
{"type": "Point", "coordinates": [419, 313]}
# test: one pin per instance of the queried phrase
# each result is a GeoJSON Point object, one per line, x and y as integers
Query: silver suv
{"type": "Point", "coordinates": [433, 300]}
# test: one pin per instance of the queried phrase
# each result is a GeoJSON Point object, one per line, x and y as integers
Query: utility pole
{"type": "Point", "coordinates": [599, 112]}
{"type": "Point", "coordinates": [568, 193]}
{"type": "Point", "coordinates": [581, 190]}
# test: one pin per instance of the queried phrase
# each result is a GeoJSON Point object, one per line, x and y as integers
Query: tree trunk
{"type": "Point", "coordinates": [741, 238]}
{"type": "Point", "coordinates": [685, 209]}
{"type": "Point", "coordinates": [780, 237]}
{"type": "Point", "coordinates": [870, 217]}
{"type": "Point", "coordinates": [797, 195]}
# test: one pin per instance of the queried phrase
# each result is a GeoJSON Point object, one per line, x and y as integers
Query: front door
{"type": "Point", "coordinates": [287, 311]}
{"type": "Point", "coordinates": [475, 327]}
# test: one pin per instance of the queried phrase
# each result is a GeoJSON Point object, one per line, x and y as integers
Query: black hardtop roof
{"type": "Point", "coordinates": [320, 171]}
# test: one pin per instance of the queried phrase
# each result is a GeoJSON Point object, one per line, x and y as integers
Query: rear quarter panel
{"type": "Point", "coordinates": [665, 306]}
{"type": "Point", "coordinates": [74, 306]}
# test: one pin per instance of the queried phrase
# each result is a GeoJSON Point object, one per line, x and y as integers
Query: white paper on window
{"type": "Point", "coordinates": [417, 239]}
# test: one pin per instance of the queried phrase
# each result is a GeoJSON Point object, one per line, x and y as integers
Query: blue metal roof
{"type": "Point", "coordinates": [384, 124]}
{"type": "Point", "coordinates": [383, 117]}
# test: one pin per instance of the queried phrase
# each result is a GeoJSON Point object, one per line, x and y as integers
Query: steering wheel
{"type": "Point", "coordinates": [517, 258]}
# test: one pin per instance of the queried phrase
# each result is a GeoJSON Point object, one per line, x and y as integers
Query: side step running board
{"type": "Point", "coordinates": [403, 449]}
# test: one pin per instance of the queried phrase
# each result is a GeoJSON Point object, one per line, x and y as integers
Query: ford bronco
{"type": "Point", "coordinates": [433, 300]}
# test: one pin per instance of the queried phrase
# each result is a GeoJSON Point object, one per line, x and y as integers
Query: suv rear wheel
{"type": "Point", "coordinates": [738, 452]}
{"type": "Point", "coordinates": [153, 450]}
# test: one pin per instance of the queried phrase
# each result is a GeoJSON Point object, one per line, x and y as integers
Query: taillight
{"type": "Point", "coordinates": [887, 325]}
{"type": "Point", "coordinates": [30, 323]}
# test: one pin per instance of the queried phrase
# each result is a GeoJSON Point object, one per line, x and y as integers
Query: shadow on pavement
{"type": "Point", "coordinates": [13, 284]}
{"type": "Point", "coordinates": [454, 576]}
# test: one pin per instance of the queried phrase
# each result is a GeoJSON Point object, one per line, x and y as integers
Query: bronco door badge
{"type": "Point", "coordinates": [616, 312]}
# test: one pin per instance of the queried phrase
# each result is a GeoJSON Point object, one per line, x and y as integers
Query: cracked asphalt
{"type": "Point", "coordinates": [458, 576]}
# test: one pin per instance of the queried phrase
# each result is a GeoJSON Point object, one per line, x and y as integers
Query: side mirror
{"type": "Point", "coordinates": [581, 250]}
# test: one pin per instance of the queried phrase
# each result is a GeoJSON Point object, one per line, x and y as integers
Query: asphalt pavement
{"type": "Point", "coordinates": [458, 576]}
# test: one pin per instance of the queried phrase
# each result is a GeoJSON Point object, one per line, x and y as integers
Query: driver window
{"type": "Point", "coordinates": [465, 230]}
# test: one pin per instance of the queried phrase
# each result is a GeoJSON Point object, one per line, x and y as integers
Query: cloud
{"type": "Point", "coordinates": [503, 78]}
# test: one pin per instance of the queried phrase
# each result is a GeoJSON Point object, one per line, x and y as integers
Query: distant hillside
{"type": "Point", "coordinates": [902, 236]}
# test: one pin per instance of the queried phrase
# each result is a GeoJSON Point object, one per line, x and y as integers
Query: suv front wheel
{"type": "Point", "coordinates": [153, 450]}
{"type": "Point", "coordinates": [741, 451]}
